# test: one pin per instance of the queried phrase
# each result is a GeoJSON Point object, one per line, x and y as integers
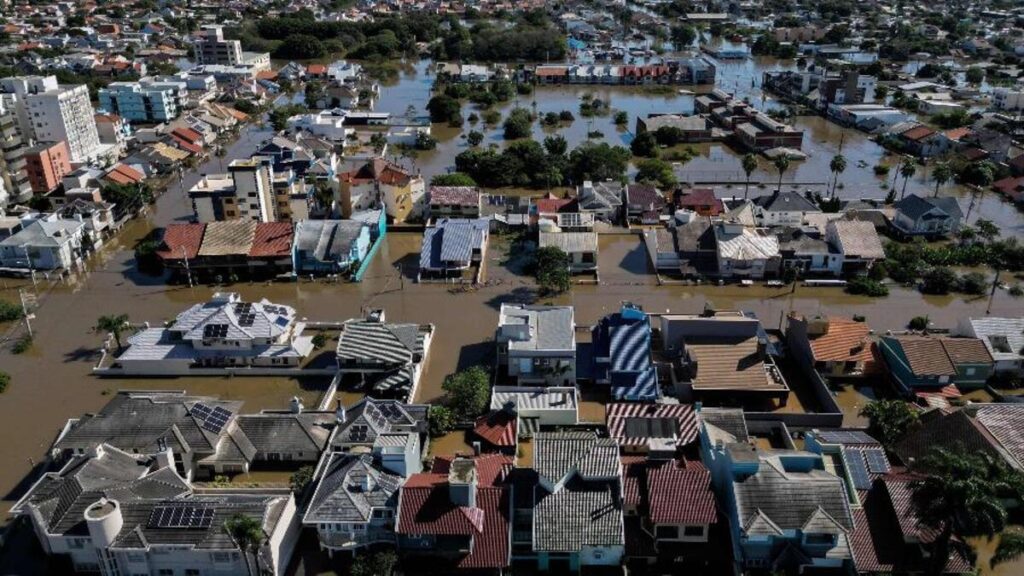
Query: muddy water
{"type": "Point", "coordinates": [986, 548]}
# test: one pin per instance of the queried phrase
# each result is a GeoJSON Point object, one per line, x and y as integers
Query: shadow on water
{"type": "Point", "coordinates": [476, 354]}
{"type": "Point", "coordinates": [82, 354]}
{"type": "Point", "coordinates": [520, 295]}
{"type": "Point", "coordinates": [635, 261]}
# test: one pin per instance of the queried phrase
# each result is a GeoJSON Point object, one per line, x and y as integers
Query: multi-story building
{"type": "Point", "coordinates": [251, 190]}
{"type": "Point", "coordinates": [14, 183]}
{"type": "Point", "coordinates": [143, 101]}
{"type": "Point", "coordinates": [537, 344]}
{"type": "Point", "coordinates": [1008, 99]}
{"type": "Point", "coordinates": [51, 113]}
{"type": "Point", "coordinates": [46, 165]}
{"type": "Point", "coordinates": [212, 48]}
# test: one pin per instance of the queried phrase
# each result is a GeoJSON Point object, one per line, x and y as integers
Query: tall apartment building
{"type": "Point", "coordinates": [46, 165]}
{"type": "Point", "coordinates": [146, 101]}
{"type": "Point", "coordinates": [1007, 99]}
{"type": "Point", "coordinates": [212, 48]}
{"type": "Point", "coordinates": [14, 183]}
{"type": "Point", "coordinates": [52, 113]}
{"type": "Point", "coordinates": [246, 192]}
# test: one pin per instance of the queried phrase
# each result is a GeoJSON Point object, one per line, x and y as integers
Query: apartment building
{"type": "Point", "coordinates": [144, 101]}
{"type": "Point", "coordinates": [14, 183]}
{"type": "Point", "coordinates": [49, 112]}
{"type": "Point", "coordinates": [46, 165]}
{"type": "Point", "coordinates": [245, 192]}
{"type": "Point", "coordinates": [212, 48]}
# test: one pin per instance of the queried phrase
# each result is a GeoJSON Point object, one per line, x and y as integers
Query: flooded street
{"type": "Point", "coordinates": [52, 382]}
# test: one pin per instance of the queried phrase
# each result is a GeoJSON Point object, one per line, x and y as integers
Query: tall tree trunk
{"type": "Point", "coordinates": [746, 189]}
{"type": "Point", "coordinates": [936, 190]}
{"type": "Point", "coordinates": [780, 181]}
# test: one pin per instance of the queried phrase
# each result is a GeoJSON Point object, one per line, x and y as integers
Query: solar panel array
{"type": "Point", "coordinates": [358, 433]}
{"type": "Point", "coordinates": [858, 469]}
{"type": "Point", "coordinates": [215, 331]}
{"type": "Point", "coordinates": [877, 462]}
{"type": "Point", "coordinates": [212, 419]}
{"type": "Point", "coordinates": [844, 437]}
{"type": "Point", "coordinates": [186, 517]}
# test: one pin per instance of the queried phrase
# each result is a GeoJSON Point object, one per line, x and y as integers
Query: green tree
{"type": "Point", "coordinates": [939, 280]}
{"type": "Point", "coordinates": [683, 36]}
{"type": "Point", "coordinates": [597, 161]}
{"type": "Point", "coordinates": [942, 173]}
{"type": "Point", "coordinates": [973, 283]}
{"type": "Point", "coordinates": [301, 478]}
{"type": "Point", "coordinates": [474, 138]}
{"type": "Point", "coordinates": [781, 163]}
{"type": "Point", "coordinates": [889, 420]}
{"type": "Point", "coordinates": [113, 324]}
{"type": "Point", "coordinates": [467, 393]}
{"type": "Point", "coordinates": [907, 170]}
{"type": "Point", "coordinates": [377, 564]}
{"type": "Point", "coordinates": [1011, 547]}
{"type": "Point", "coordinates": [837, 166]}
{"type": "Point", "coordinates": [378, 142]}
{"type": "Point", "coordinates": [975, 75]}
{"type": "Point", "coordinates": [5, 381]}
{"type": "Point", "coordinates": [551, 266]}
{"type": "Point", "coordinates": [645, 145]}
{"type": "Point", "coordinates": [440, 420]}
{"type": "Point", "coordinates": [657, 172]}
{"type": "Point", "coordinates": [621, 118]}
{"type": "Point", "coordinates": [986, 229]}
{"type": "Point", "coordinates": [962, 494]}
{"type": "Point", "coordinates": [749, 165]}
{"type": "Point", "coordinates": [453, 179]}
{"type": "Point", "coordinates": [556, 145]}
{"type": "Point", "coordinates": [300, 47]}
{"type": "Point", "coordinates": [443, 108]}
{"type": "Point", "coordinates": [247, 533]}
{"type": "Point", "coordinates": [518, 124]}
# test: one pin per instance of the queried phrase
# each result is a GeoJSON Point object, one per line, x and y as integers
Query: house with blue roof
{"type": "Point", "coordinates": [452, 247]}
{"type": "Point", "coordinates": [622, 355]}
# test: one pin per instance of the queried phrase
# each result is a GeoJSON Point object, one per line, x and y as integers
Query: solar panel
{"type": "Point", "coordinates": [877, 462]}
{"type": "Point", "coordinates": [215, 331]}
{"type": "Point", "coordinates": [844, 437]}
{"type": "Point", "coordinates": [201, 411]}
{"type": "Point", "coordinates": [246, 319]}
{"type": "Point", "coordinates": [218, 418]}
{"type": "Point", "coordinates": [857, 469]}
{"type": "Point", "coordinates": [181, 517]}
{"type": "Point", "coordinates": [243, 308]}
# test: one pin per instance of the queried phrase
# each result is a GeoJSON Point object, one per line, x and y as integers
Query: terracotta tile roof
{"type": "Point", "coordinates": [186, 145]}
{"type": "Point", "coordinates": [498, 428]}
{"type": "Point", "coordinates": [731, 365]}
{"type": "Point", "coordinates": [188, 134]}
{"type": "Point", "coordinates": [670, 492]}
{"type": "Point", "coordinates": [123, 174]}
{"type": "Point", "coordinates": [272, 240]}
{"type": "Point", "coordinates": [929, 356]}
{"type": "Point", "coordinates": [939, 429]}
{"type": "Point", "coordinates": [455, 195]}
{"type": "Point", "coordinates": [228, 238]}
{"type": "Point", "coordinates": [266, 75]}
{"type": "Point", "coordinates": [957, 133]}
{"type": "Point", "coordinates": [845, 341]}
{"type": "Point", "coordinates": [379, 170]}
{"type": "Point", "coordinates": [491, 469]}
{"type": "Point", "coordinates": [699, 198]}
{"type": "Point", "coordinates": [1004, 423]}
{"type": "Point", "coordinates": [555, 205]}
{"type": "Point", "coordinates": [181, 240]}
{"type": "Point", "coordinates": [316, 69]}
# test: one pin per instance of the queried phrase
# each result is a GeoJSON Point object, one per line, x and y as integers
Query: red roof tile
{"type": "Point", "coordinates": [186, 145]}
{"type": "Point", "coordinates": [626, 423]}
{"type": "Point", "coordinates": [670, 492]}
{"type": "Point", "coordinates": [554, 205]}
{"type": "Point", "coordinates": [188, 134]}
{"type": "Point", "coordinates": [497, 428]}
{"type": "Point", "coordinates": [272, 240]}
{"type": "Point", "coordinates": [845, 341]}
{"type": "Point", "coordinates": [181, 240]}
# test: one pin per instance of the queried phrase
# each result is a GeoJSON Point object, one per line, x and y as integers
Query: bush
{"type": "Point", "coordinates": [551, 266]}
{"type": "Point", "coordinates": [492, 117]}
{"type": "Point", "coordinates": [973, 283]}
{"type": "Point", "coordinates": [22, 345]}
{"type": "Point", "coordinates": [919, 323]}
{"type": "Point", "coordinates": [440, 421]}
{"type": "Point", "coordinates": [467, 393]}
{"type": "Point", "coordinates": [879, 271]}
{"type": "Point", "coordinates": [443, 108]}
{"type": "Point", "coordinates": [5, 381]}
{"type": "Point", "coordinates": [657, 172]}
{"type": "Point", "coordinates": [1016, 291]}
{"type": "Point", "coordinates": [939, 280]}
{"type": "Point", "coordinates": [474, 138]}
{"type": "Point", "coordinates": [645, 145]}
{"type": "Point", "coordinates": [881, 169]}
{"type": "Point", "coordinates": [301, 478]}
{"type": "Point", "coordinates": [453, 179]}
{"type": "Point", "coordinates": [621, 118]}
{"type": "Point", "coordinates": [9, 312]}
{"type": "Point", "coordinates": [566, 116]}
{"type": "Point", "coordinates": [862, 285]}
{"type": "Point", "coordinates": [319, 340]}
{"type": "Point", "coordinates": [518, 124]}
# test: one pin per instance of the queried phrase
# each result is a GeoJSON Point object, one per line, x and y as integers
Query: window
{"type": "Point", "coordinates": [191, 572]}
{"type": "Point", "coordinates": [819, 538]}
{"type": "Point", "coordinates": [666, 532]}
{"type": "Point", "coordinates": [693, 531]}
{"type": "Point", "coordinates": [165, 572]}
{"type": "Point", "coordinates": [969, 371]}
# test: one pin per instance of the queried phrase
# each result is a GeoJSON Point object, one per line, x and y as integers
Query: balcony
{"type": "Point", "coordinates": [353, 540]}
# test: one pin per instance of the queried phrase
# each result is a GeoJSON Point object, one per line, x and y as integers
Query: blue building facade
{"type": "Point", "coordinates": [138, 102]}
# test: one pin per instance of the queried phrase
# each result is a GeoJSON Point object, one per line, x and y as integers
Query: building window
{"type": "Point", "coordinates": [663, 532]}
{"type": "Point", "coordinates": [693, 531]}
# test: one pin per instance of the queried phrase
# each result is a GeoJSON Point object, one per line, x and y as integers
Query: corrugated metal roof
{"type": "Point", "coordinates": [228, 238]}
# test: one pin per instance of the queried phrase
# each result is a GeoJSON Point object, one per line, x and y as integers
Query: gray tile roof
{"type": "Point", "coordinates": [369, 420]}
{"type": "Point", "coordinates": [1004, 337]}
{"type": "Point", "coordinates": [372, 342]}
{"type": "Point", "coordinates": [560, 455]}
{"type": "Point", "coordinates": [728, 420]}
{"type": "Point", "coordinates": [587, 514]}
{"type": "Point", "coordinates": [550, 327]}
{"type": "Point", "coordinates": [569, 242]}
{"type": "Point", "coordinates": [287, 432]}
{"type": "Point", "coordinates": [785, 202]}
{"type": "Point", "coordinates": [244, 320]}
{"type": "Point", "coordinates": [350, 488]}
{"type": "Point", "coordinates": [452, 240]}
{"type": "Point", "coordinates": [45, 233]}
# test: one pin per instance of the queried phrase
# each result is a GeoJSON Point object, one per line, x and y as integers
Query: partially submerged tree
{"type": "Point", "coordinates": [889, 420]}
{"type": "Point", "coordinates": [467, 393]}
{"type": "Point", "coordinates": [113, 324]}
{"type": "Point", "coordinates": [247, 533]}
{"type": "Point", "coordinates": [552, 270]}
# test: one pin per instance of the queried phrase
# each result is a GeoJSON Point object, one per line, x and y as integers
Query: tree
{"type": "Point", "coordinates": [979, 173]}
{"type": "Point", "coordinates": [837, 166]}
{"type": "Point", "coordinates": [5, 381]}
{"type": "Point", "coordinates": [440, 421]}
{"type": "Point", "coordinates": [644, 145]}
{"type": "Point", "coordinates": [975, 75]}
{"type": "Point", "coordinates": [300, 47]}
{"type": "Point", "coordinates": [323, 194]}
{"type": "Point", "coordinates": [1011, 547]}
{"type": "Point", "coordinates": [889, 420]}
{"type": "Point", "coordinates": [657, 172]}
{"type": "Point", "coordinates": [551, 266]}
{"type": "Point", "coordinates": [683, 36]}
{"type": "Point", "coordinates": [443, 108]}
{"type": "Point", "coordinates": [781, 163]}
{"type": "Point", "coordinates": [942, 173]}
{"type": "Point", "coordinates": [467, 393]}
{"type": "Point", "coordinates": [621, 118]}
{"type": "Point", "coordinates": [518, 124]}
{"type": "Point", "coordinates": [749, 165]}
{"type": "Point", "coordinates": [907, 170]}
{"type": "Point", "coordinates": [556, 145]}
{"type": "Point", "coordinates": [474, 138]}
{"type": "Point", "coordinates": [247, 532]}
{"type": "Point", "coordinates": [986, 229]}
{"type": "Point", "coordinates": [377, 564]}
{"type": "Point", "coordinates": [939, 280]}
{"type": "Point", "coordinates": [301, 478]}
{"type": "Point", "coordinates": [597, 161]}
{"type": "Point", "coordinates": [973, 283]}
{"type": "Point", "coordinates": [962, 493]}
{"type": "Point", "coordinates": [378, 141]}
{"type": "Point", "coordinates": [453, 179]}
{"type": "Point", "coordinates": [113, 324]}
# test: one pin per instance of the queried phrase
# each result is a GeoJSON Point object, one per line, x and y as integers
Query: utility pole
{"type": "Point", "coordinates": [188, 270]}
{"type": "Point", "coordinates": [25, 310]}
{"type": "Point", "coordinates": [992, 294]}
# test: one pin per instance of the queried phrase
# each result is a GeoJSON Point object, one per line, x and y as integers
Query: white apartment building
{"type": "Point", "coordinates": [52, 113]}
{"type": "Point", "coordinates": [246, 192]}
{"type": "Point", "coordinates": [212, 48]}
{"type": "Point", "coordinates": [1007, 99]}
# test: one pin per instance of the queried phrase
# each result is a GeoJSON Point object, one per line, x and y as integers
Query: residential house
{"type": "Point", "coordinates": [387, 358]}
{"type": "Point", "coordinates": [457, 517]}
{"type": "Point", "coordinates": [98, 218]}
{"type": "Point", "coordinates": [925, 364]}
{"type": "Point", "coordinates": [783, 209]}
{"type": "Point", "coordinates": [603, 199]}
{"type": "Point", "coordinates": [580, 247]}
{"type": "Point", "coordinates": [452, 246]}
{"type": "Point", "coordinates": [701, 201]}
{"type": "Point", "coordinates": [857, 243]}
{"type": "Point", "coordinates": [454, 202]}
{"type": "Point", "coordinates": [834, 347]}
{"type": "Point", "coordinates": [786, 511]}
{"type": "Point", "coordinates": [804, 250]}
{"type": "Point", "coordinates": [1003, 337]}
{"type": "Point", "coordinates": [227, 248]}
{"type": "Point", "coordinates": [537, 407]}
{"type": "Point", "coordinates": [927, 217]}
{"type": "Point", "coordinates": [330, 246]}
{"type": "Point", "coordinates": [977, 428]}
{"type": "Point", "coordinates": [381, 183]}
{"type": "Point", "coordinates": [644, 203]}
{"type": "Point", "coordinates": [224, 332]}
{"type": "Point", "coordinates": [537, 344]}
{"type": "Point", "coordinates": [690, 128]}
{"type": "Point", "coordinates": [49, 243]}
{"type": "Point", "coordinates": [762, 132]}
{"type": "Point", "coordinates": [621, 353]}
{"type": "Point", "coordinates": [394, 433]}
{"type": "Point", "coordinates": [745, 252]}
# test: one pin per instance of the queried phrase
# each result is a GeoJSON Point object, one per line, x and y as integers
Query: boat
{"type": "Point", "coordinates": [746, 282]}
{"type": "Point", "coordinates": [685, 92]}
{"type": "Point", "coordinates": [775, 283]}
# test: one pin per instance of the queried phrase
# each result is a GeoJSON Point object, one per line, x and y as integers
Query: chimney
{"type": "Point", "coordinates": [296, 405]}
{"type": "Point", "coordinates": [339, 413]}
{"type": "Point", "coordinates": [476, 448]}
{"type": "Point", "coordinates": [164, 455]}
{"type": "Point", "coordinates": [346, 200]}
{"type": "Point", "coordinates": [462, 482]}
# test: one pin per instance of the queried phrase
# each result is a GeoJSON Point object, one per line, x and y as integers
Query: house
{"type": "Point", "coordinates": [786, 511]}
{"type": "Point", "coordinates": [978, 428]}
{"type": "Point", "coordinates": [701, 201]}
{"type": "Point", "coordinates": [762, 132]}
{"type": "Point", "coordinates": [922, 364]}
{"type": "Point", "coordinates": [835, 347]}
{"type": "Point", "coordinates": [458, 516]}
{"type": "Point", "coordinates": [225, 248]}
{"type": "Point", "coordinates": [452, 246]}
{"type": "Point", "coordinates": [804, 250]}
{"type": "Point", "coordinates": [537, 344]}
{"type": "Point", "coordinates": [927, 217]}
{"type": "Point", "coordinates": [745, 252]}
{"type": "Point", "coordinates": [49, 243]}
{"type": "Point", "coordinates": [454, 202]}
{"type": "Point", "coordinates": [724, 356]}
{"type": "Point", "coordinates": [603, 199]}
{"type": "Point", "coordinates": [577, 508]}
{"type": "Point", "coordinates": [224, 332]}
{"type": "Point", "coordinates": [857, 242]}
{"type": "Point", "coordinates": [330, 246]}
{"type": "Point", "coordinates": [621, 344]}
{"type": "Point", "coordinates": [656, 430]}
{"type": "Point", "coordinates": [538, 407]}
{"type": "Point", "coordinates": [782, 209]}
{"type": "Point", "coordinates": [689, 128]}
{"type": "Point", "coordinates": [394, 433]}
{"type": "Point", "coordinates": [387, 358]}
{"type": "Point", "coordinates": [114, 512]}
{"type": "Point", "coordinates": [382, 183]}
{"type": "Point", "coordinates": [580, 247]}
{"type": "Point", "coordinates": [644, 203]}
{"type": "Point", "coordinates": [1003, 337]}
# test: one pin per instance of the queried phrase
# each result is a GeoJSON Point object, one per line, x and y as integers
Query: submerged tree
{"type": "Point", "coordinates": [113, 324]}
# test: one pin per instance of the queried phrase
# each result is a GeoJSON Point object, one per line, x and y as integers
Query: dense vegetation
{"type": "Point", "coordinates": [527, 163]}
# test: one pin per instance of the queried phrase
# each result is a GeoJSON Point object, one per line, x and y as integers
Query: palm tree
{"type": "Point", "coordinates": [781, 164]}
{"type": "Point", "coordinates": [907, 170]}
{"type": "Point", "coordinates": [247, 532]}
{"type": "Point", "coordinates": [942, 173]}
{"type": "Point", "coordinates": [1011, 546]}
{"type": "Point", "coordinates": [113, 324]}
{"type": "Point", "coordinates": [962, 493]}
{"type": "Point", "coordinates": [749, 165]}
{"type": "Point", "coordinates": [837, 166]}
